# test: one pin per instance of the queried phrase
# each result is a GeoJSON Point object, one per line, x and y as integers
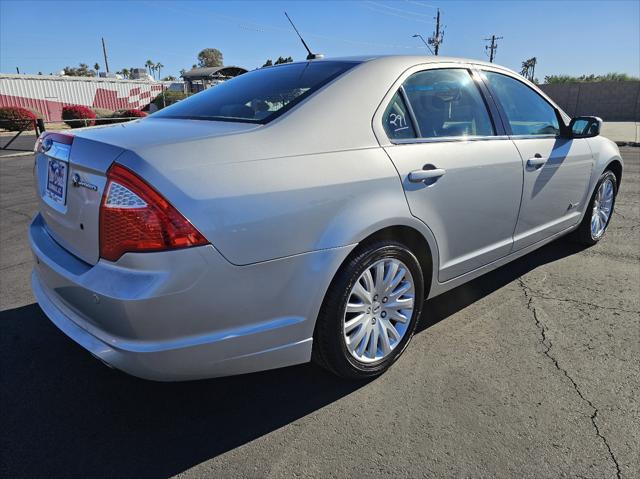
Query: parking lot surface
{"type": "Point", "coordinates": [530, 371]}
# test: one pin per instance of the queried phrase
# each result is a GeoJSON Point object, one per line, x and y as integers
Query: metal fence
{"type": "Point", "coordinates": [39, 126]}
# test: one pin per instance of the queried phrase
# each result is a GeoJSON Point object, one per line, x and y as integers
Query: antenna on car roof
{"type": "Point", "coordinates": [310, 56]}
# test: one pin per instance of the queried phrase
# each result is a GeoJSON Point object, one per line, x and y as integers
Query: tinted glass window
{"type": "Point", "coordinates": [447, 103]}
{"type": "Point", "coordinates": [396, 120]}
{"type": "Point", "coordinates": [527, 112]}
{"type": "Point", "coordinates": [257, 96]}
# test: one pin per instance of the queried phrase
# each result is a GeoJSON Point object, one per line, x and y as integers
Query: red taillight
{"type": "Point", "coordinates": [135, 218]}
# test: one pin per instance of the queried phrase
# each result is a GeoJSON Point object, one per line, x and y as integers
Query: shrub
{"type": "Point", "coordinates": [78, 112]}
{"type": "Point", "coordinates": [102, 114]}
{"type": "Point", "coordinates": [124, 115]}
{"type": "Point", "coordinates": [133, 113]}
{"type": "Point", "coordinates": [15, 118]}
{"type": "Point", "coordinates": [170, 97]}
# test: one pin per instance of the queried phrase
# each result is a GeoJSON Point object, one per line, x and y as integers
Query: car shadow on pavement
{"type": "Point", "coordinates": [63, 413]}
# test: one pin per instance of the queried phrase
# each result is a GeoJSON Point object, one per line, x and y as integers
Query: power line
{"type": "Point", "coordinates": [492, 47]}
{"type": "Point", "coordinates": [406, 12]}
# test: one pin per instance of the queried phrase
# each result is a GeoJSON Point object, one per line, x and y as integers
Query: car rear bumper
{"type": "Point", "coordinates": [184, 314]}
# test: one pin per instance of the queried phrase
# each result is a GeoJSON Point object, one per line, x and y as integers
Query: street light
{"type": "Point", "coordinates": [417, 35]}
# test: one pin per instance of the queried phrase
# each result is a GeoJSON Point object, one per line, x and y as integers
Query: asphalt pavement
{"type": "Point", "coordinates": [532, 371]}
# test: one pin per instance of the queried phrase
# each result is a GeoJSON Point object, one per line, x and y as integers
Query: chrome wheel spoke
{"type": "Point", "coordinates": [356, 307]}
{"type": "Point", "coordinates": [392, 332]}
{"type": "Point", "coordinates": [396, 280]}
{"type": "Point", "coordinates": [362, 293]}
{"type": "Point", "coordinates": [355, 322]}
{"type": "Point", "coordinates": [398, 316]}
{"type": "Point", "coordinates": [373, 346]}
{"type": "Point", "coordinates": [402, 303]}
{"type": "Point", "coordinates": [357, 337]}
{"type": "Point", "coordinates": [384, 337]}
{"type": "Point", "coordinates": [364, 344]}
{"type": "Point", "coordinates": [400, 290]}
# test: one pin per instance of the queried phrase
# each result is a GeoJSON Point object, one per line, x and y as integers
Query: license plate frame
{"type": "Point", "coordinates": [57, 177]}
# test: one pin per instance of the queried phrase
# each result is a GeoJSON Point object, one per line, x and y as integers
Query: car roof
{"type": "Point", "coordinates": [406, 61]}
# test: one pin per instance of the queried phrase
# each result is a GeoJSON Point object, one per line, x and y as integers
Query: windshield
{"type": "Point", "coordinates": [257, 96]}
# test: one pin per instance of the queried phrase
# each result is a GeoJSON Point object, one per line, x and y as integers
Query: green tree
{"type": "Point", "coordinates": [210, 57]}
{"type": "Point", "coordinates": [283, 60]}
{"type": "Point", "coordinates": [159, 66]}
{"type": "Point", "coordinates": [169, 78]}
{"type": "Point", "coordinates": [82, 70]}
{"type": "Point", "coordinates": [96, 67]}
{"type": "Point", "coordinates": [268, 63]}
{"type": "Point", "coordinates": [150, 65]}
{"type": "Point", "coordinates": [614, 76]}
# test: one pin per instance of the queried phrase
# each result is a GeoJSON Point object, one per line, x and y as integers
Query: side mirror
{"type": "Point", "coordinates": [585, 126]}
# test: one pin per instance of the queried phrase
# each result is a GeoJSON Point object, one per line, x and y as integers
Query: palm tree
{"type": "Point", "coordinates": [159, 67]}
{"type": "Point", "coordinates": [149, 64]}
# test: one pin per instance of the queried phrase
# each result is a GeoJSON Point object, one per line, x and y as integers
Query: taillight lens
{"type": "Point", "coordinates": [136, 218]}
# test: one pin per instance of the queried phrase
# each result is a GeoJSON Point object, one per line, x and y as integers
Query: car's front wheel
{"type": "Point", "coordinates": [370, 311]}
{"type": "Point", "coordinates": [599, 211]}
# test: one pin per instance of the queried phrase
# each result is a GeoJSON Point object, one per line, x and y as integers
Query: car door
{"type": "Point", "coordinates": [556, 170]}
{"type": "Point", "coordinates": [462, 177]}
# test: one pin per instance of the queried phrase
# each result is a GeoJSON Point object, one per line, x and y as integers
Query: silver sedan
{"type": "Point", "coordinates": [304, 212]}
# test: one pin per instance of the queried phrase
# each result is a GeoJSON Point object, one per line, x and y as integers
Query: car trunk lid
{"type": "Point", "coordinates": [69, 183]}
{"type": "Point", "coordinates": [71, 178]}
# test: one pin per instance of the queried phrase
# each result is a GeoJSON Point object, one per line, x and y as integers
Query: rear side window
{"type": "Point", "coordinates": [527, 112]}
{"type": "Point", "coordinates": [258, 96]}
{"type": "Point", "coordinates": [396, 120]}
{"type": "Point", "coordinates": [447, 103]}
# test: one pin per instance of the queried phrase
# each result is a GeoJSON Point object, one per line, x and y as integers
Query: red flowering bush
{"type": "Point", "coordinates": [133, 113]}
{"type": "Point", "coordinates": [125, 115]}
{"type": "Point", "coordinates": [15, 118]}
{"type": "Point", "coordinates": [78, 112]}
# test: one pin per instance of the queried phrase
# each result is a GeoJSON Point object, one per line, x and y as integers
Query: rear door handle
{"type": "Point", "coordinates": [536, 161]}
{"type": "Point", "coordinates": [422, 175]}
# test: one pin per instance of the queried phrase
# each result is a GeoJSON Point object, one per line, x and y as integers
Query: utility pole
{"type": "Point", "coordinates": [438, 35]}
{"type": "Point", "coordinates": [104, 52]}
{"type": "Point", "coordinates": [493, 47]}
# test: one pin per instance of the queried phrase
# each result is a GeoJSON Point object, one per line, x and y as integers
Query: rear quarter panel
{"type": "Point", "coordinates": [259, 210]}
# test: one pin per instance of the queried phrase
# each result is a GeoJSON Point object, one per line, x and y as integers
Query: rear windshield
{"type": "Point", "coordinates": [257, 96]}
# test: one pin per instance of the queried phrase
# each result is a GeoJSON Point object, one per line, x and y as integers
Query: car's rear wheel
{"type": "Point", "coordinates": [599, 211]}
{"type": "Point", "coordinates": [370, 311]}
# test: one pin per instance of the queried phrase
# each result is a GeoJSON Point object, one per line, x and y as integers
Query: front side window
{"type": "Point", "coordinates": [527, 112]}
{"type": "Point", "coordinates": [447, 103]}
{"type": "Point", "coordinates": [258, 96]}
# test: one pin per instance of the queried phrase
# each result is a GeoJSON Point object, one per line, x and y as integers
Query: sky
{"type": "Point", "coordinates": [567, 37]}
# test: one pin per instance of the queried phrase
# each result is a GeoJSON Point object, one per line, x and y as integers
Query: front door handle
{"type": "Point", "coordinates": [423, 175]}
{"type": "Point", "coordinates": [536, 161]}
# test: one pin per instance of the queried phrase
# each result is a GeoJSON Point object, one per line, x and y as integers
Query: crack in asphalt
{"type": "Point", "coordinates": [546, 342]}
{"type": "Point", "coordinates": [536, 294]}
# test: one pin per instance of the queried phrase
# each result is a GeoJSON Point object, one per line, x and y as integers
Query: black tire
{"type": "Point", "coordinates": [583, 234]}
{"type": "Point", "coordinates": [329, 346]}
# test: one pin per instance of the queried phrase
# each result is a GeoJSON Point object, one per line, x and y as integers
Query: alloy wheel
{"type": "Point", "coordinates": [379, 309]}
{"type": "Point", "coordinates": [602, 206]}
